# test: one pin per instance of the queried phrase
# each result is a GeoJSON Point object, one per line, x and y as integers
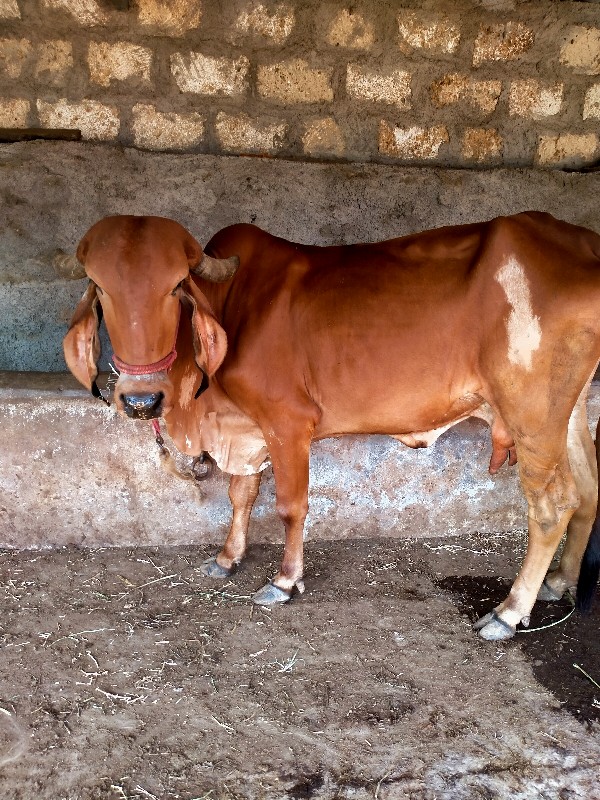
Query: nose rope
{"type": "Point", "coordinates": [159, 439]}
{"type": "Point", "coordinates": [147, 369]}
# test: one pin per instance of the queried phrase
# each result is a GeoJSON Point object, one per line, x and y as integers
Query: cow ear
{"type": "Point", "coordinates": [81, 345]}
{"type": "Point", "coordinates": [210, 340]}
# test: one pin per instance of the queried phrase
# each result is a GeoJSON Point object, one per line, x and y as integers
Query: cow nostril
{"type": "Point", "coordinates": [143, 406]}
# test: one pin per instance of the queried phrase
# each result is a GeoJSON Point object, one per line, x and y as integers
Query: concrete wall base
{"type": "Point", "coordinates": [73, 472]}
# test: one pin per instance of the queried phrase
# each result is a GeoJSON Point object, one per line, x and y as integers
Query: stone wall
{"type": "Point", "coordinates": [457, 83]}
{"type": "Point", "coordinates": [52, 192]}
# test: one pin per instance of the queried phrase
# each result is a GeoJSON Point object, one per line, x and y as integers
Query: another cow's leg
{"type": "Point", "coordinates": [552, 497]}
{"type": "Point", "coordinates": [582, 458]}
{"type": "Point", "coordinates": [290, 458]}
{"type": "Point", "coordinates": [243, 491]}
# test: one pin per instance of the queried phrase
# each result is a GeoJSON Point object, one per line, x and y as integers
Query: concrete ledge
{"type": "Point", "coordinates": [73, 472]}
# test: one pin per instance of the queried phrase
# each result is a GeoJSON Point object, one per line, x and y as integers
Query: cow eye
{"type": "Point", "coordinates": [175, 290]}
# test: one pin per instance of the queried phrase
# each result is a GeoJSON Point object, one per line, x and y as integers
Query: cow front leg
{"type": "Point", "coordinates": [290, 459]}
{"type": "Point", "coordinates": [552, 497]}
{"type": "Point", "coordinates": [243, 491]}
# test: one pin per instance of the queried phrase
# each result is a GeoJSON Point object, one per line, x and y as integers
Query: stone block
{"type": "Point", "coordinates": [9, 9]}
{"type": "Point", "coordinates": [13, 55]}
{"type": "Point", "coordinates": [529, 98]}
{"type": "Point", "coordinates": [155, 130]}
{"type": "Point", "coordinates": [54, 60]}
{"type": "Point", "coordinates": [591, 106]}
{"type": "Point", "coordinates": [118, 62]}
{"type": "Point", "coordinates": [368, 84]}
{"type": "Point", "coordinates": [194, 72]}
{"type": "Point", "coordinates": [85, 12]}
{"type": "Point", "coordinates": [350, 29]}
{"type": "Point", "coordinates": [276, 26]}
{"type": "Point", "coordinates": [502, 42]}
{"type": "Point", "coordinates": [413, 143]}
{"type": "Point", "coordinates": [295, 81]}
{"type": "Point", "coordinates": [95, 120]}
{"type": "Point", "coordinates": [323, 137]}
{"type": "Point", "coordinates": [567, 149]}
{"type": "Point", "coordinates": [481, 145]}
{"type": "Point", "coordinates": [174, 17]}
{"type": "Point", "coordinates": [422, 31]}
{"type": "Point", "coordinates": [455, 87]}
{"type": "Point", "coordinates": [241, 134]}
{"type": "Point", "coordinates": [581, 51]}
{"type": "Point", "coordinates": [14, 113]}
{"type": "Point", "coordinates": [484, 94]}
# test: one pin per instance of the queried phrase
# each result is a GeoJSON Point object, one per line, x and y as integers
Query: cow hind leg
{"type": "Point", "coordinates": [552, 497]}
{"type": "Point", "coordinates": [582, 459]}
{"type": "Point", "coordinates": [243, 491]}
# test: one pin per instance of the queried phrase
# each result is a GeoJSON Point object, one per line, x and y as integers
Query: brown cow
{"type": "Point", "coordinates": [499, 320]}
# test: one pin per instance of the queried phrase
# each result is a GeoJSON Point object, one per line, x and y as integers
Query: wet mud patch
{"type": "Point", "coordinates": [563, 640]}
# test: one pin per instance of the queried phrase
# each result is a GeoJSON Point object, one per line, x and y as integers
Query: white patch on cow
{"type": "Point", "coordinates": [235, 442]}
{"type": "Point", "coordinates": [248, 469]}
{"type": "Point", "coordinates": [188, 442]}
{"type": "Point", "coordinates": [424, 438]}
{"type": "Point", "coordinates": [523, 327]}
{"type": "Point", "coordinates": [187, 389]}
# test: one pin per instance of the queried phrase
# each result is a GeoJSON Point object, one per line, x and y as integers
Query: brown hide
{"type": "Point", "coordinates": [406, 337]}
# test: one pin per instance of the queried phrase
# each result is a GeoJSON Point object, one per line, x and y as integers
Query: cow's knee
{"type": "Point", "coordinates": [555, 502]}
{"type": "Point", "coordinates": [292, 511]}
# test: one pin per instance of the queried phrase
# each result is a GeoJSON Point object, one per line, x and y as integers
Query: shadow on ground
{"type": "Point", "coordinates": [552, 646]}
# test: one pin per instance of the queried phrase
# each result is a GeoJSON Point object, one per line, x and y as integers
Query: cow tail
{"type": "Point", "coordinates": [590, 564]}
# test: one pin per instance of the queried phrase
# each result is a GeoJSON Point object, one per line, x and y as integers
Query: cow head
{"type": "Point", "coordinates": [139, 270]}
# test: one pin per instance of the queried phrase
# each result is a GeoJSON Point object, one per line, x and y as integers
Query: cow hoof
{"type": "Point", "coordinates": [493, 628]}
{"type": "Point", "coordinates": [212, 569]}
{"type": "Point", "coordinates": [547, 593]}
{"type": "Point", "coordinates": [270, 594]}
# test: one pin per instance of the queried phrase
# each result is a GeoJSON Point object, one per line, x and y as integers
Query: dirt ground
{"type": "Point", "coordinates": [124, 674]}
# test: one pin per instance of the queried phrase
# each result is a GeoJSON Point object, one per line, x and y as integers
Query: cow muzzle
{"type": "Point", "coordinates": [142, 406]}
{"type": "Point", "coordinates": [144, 396]}
{"type": "Point", "coordinates": [144, 391]}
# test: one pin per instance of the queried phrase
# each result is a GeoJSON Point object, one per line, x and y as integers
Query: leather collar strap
{"type": "Point", "coordinates": [95, 390]}
{"type": "Point", "coordinates": [98, 394]}
{"type": "Point", "coordinates": [203, 385]}
{"type": "Point", "coordinates": [147, 369]}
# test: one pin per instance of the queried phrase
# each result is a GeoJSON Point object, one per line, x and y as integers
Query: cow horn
{"type": "Point", "coordinates": [67, 266]}
{"type": "Point", "coordinates": [217, 269]}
